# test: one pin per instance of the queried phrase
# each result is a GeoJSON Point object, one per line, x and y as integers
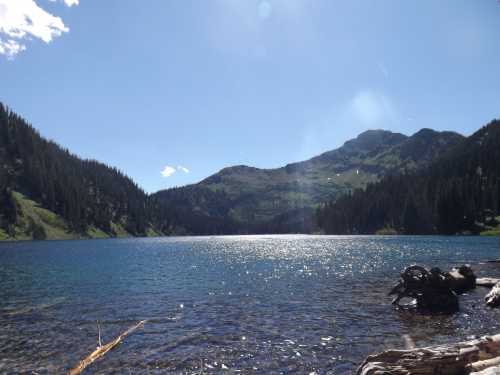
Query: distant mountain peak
{"type": "Point", "coordinates": [429, 133]}
{"type": "Point", "coordinates": [371, 140]}
{"type": "Point", "coordinates": [425, 131]}
{"type": "Point", "coordinates": [254, 196]}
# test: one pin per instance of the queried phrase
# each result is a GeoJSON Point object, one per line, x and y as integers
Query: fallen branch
{"type": "Point", "coordinates": [102, 350]}
{"type": "Point", "coordinates": [453, 359]}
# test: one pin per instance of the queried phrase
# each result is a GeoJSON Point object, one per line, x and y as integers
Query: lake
{"type": "Point", "coordinates": [236, 304]}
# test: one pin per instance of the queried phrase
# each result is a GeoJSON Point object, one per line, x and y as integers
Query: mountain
{"type": "Point", "coordinates": [259, 200]}
{"type": "Point", "coordinates": [47, 192]}
{"type": "Point", "coordinates": [459, 192]}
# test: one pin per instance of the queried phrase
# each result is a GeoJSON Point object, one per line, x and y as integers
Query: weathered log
{"type": "Point", "coordinates": [493, 297]}
{"type": "Point", "coordinates": [484, 365]}
{"type": "Point", "coordinates": [102, 350]}
{"type": "Point", "coordinates": [487, 281]}
{"type": "Point", "coordinates": [489, 371]}
{"type": "Point", "coordinates": [452, 359]}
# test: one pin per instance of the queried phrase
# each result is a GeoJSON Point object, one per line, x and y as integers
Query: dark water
{"type": "Point", "coordinates": [251, 304]}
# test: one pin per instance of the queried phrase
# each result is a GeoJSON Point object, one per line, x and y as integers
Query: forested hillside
{"type": "Point", "coordinates": [193, 210]}
{"type": "Point", "coordinates": [282, 200]}
{"type": "Point", "coordinates": [458, 193]}
{"type": "Point", "coordinates": [45, 191]}
{"type": "Point", "coordinates": [430, 182]}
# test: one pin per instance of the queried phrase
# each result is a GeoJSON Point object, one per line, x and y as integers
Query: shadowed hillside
{"type": "Point", "coordinates": [47, 192]}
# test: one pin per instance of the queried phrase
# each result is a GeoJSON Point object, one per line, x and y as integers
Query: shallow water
{"type": "Point", "coordinates": [243, 304]}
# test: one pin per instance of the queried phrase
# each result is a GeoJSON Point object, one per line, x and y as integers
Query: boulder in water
{"type": "Point", "coordinates": [433, 290]}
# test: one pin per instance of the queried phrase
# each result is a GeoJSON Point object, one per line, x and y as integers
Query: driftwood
{"type": "Point", "coordinates": [487, 281]}
{"type": "Point", "coordinates": [433, 290]}
{"type": "Point", "coordinates": [475, 357]}
{"type": "Point", "coordinates": [102, 350]}
{"type": "Point", "coordinates": [493, 297]}
{"type": "Point", "coordinates": [468, 357]}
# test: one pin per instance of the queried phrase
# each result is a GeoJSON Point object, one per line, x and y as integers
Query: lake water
{"type": "Point", "coordinates": [243, 304]}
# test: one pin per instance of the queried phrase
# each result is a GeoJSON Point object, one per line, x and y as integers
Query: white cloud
{"type": "Point", "coordinates": [10, 47]}
{"type": "Point", "coordinates": [168, 171]}
{"type": "Point", "coordinates": [22, 20]}
{"type": "Point", "coordinates": [69, 3]}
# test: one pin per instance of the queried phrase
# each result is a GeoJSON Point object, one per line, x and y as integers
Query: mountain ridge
{"type": "Point", "coordinates": [257, 195]}
{"type": "Point", "coordinates": [48, 192]}
{"type": "Point", "coordinates": [459, 193]}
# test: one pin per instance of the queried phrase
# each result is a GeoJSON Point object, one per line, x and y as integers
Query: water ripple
{"type": "Point", "coordinates": [236, 304]}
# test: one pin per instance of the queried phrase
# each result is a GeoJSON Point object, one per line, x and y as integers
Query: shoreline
{"type": "Point", "coordinates": [7, 240]}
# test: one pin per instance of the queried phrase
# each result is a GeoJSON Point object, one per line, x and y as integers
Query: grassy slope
{"type": "Point", "coordinates": [264, 193]}
{"type": "Point", "coordinates": [493, 231]}
{"type": "Point", "coordinates": [55, 227]}
{"type": "Point", "coordinates": [29, 211]}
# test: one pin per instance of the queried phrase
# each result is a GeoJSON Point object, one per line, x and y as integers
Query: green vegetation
{"type": "Point", "coordinates": [493, 229]}
{"type": "Point", "coordinates": [381, 182]}
{"type": "Point", "coordinates": [459, 193]}
{"type": "Point", "coordinates": [118, 230]}
{"type": "Point", "coordinates": [95, 233]}
{"type": "Point", "coordinates": [35, 222]}
{"type": "Point", "coordinates": [387, 231]}
{"type": "Point", "coordinates": [64, 196]}
{"type": "Point", "coordinates": [492, 232]}
{"type": "Point", "coordinates": [3, 235]}
{"type": "Point", "coordinates": [247, 199]}
{"type": "Point", "coordinates": [152, 233]}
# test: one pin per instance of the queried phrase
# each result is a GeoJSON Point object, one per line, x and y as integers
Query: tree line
{"type": "Point", "coordinates": [84, 192]}
{"type": "Point", "coordinates": [87, 193]}
{"type": "Point", "coordinates": [458, 193]}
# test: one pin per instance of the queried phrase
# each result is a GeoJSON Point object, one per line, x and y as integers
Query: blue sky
{"type": "Point", "coordinates": [201, 85]}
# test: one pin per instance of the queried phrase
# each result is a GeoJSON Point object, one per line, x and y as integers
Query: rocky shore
{"type": "Point", "coordinates": [431, 291]}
